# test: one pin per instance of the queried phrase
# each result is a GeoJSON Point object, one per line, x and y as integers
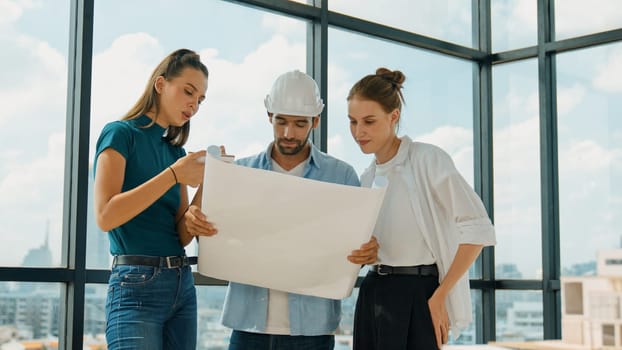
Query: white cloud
{"type": "Point", "coordinates": [587, 156]}
{"type": "Point", "coordinates": [509, 15]}
{"type": "Point", "coordinates": [336, 146]}
{"type": "Point", "coordinates": [340, 84]}
{"type": "Point", "coordinates": [281, 24]}
{"type": "Point", "coordinates": [568, 98]}
{"type": "Point", "coordinates": [517, 105]}
{"type": "Point", "coordinates": [608, 77]}
{"type": "Point", "coordinates": [33, 96]}
{"type": "Point", "coordinates": [587, 177]}
{"type": "Point", "coordinates": [517, 151]}
{"type": "Point", "coordinates": [120, 73]}
{"type": "Point", "coordinates": [523, 11]}
{"type": "Point", "coordinates": [458, 143]}
{"type": "Point", "coordinates": [452, 139]}
{"type": "Point", "coordinates": [26, 179]}
{"type": "Point", "coordinates": [208, 54]}
{"type": "Point", "coordinates": [574, 18]}
{"type": "Point", "coordinates": [250, 149]}
{"type": "Point", "coordinates": [234, 108]}
{"type": "Point", "coordinates": [37, 81]}
{"type": "Point", "coordinates": [11, 11]}
{"type": "Point", "coordinates": [516, 176]}
{"type": "Point", "coordinates": [32, 194]}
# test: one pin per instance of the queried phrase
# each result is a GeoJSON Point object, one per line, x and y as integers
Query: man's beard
{"type": "Point", "coordinates": [291, 151]}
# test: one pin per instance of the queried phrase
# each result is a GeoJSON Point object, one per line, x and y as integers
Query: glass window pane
{"type": "Point", "coordinates": [30, 314]}
{"type": "Point", "coordinates": [517, 170]}
{"type": "Point", "coordinates": [442, 19]}
{"type": "Point", "coordinates": [33, 37]}
{"type": "Point", "coordinates": [469, 335]}
{"type": "Point", "coordinates": [343, 335]}
{"type": "Point", "coordinates": [212, 335]}
{"type": "Point", "coordinates": [589, 101]}
{"type": "Point", "coordinates": [95, 316]}
{"type": "Point", "coordinates": [507, 15]}
{"type": "Point", "coordinates": [519, 316]}
{"type": "Point", "coordinates": [577, 17]}
{"type": "Point", "coordinates": [437, 90]}
{"type": "Point", "coordinates": [242, 68]}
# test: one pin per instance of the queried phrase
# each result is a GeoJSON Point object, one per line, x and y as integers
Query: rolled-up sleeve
{"type": "Point", "coordinates": [477, 231]}
{"type": "Point", "coordinates": [461, 202]}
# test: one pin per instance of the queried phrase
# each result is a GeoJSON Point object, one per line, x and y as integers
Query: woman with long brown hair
{"type": "Point", "coordinates": [141, 174]}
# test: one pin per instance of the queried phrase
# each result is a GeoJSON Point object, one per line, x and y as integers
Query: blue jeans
{"type": "Point", "coordinates": [258, 341]}
{"type": "Point", "coordinates": [151, 308]}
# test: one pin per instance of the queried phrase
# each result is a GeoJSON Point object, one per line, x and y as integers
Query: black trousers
{"type": "Point", "coordinates": [392, 313]}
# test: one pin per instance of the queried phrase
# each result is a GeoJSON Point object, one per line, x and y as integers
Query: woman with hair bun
{"type": "Point", "coordinates": [431, 228]}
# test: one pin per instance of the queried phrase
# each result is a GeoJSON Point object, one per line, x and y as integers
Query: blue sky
{"type": "Point", "coordinates": [245, 49]}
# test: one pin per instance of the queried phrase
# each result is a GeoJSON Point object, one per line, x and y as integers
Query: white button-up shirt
{"type": "Point", "coordinates": [447, 211]}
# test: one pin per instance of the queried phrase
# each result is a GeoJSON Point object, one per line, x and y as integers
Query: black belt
{"type": "Point", "coordinates": [419, 270]}
{"type": "Point", "coordinates": [156, 261]}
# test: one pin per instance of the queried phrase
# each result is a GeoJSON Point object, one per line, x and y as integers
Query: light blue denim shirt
{"type": "Point", "coordinates": [246, 307]}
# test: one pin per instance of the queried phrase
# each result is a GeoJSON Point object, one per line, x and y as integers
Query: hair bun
{"type": "Point", "coordinates": [395, 77]}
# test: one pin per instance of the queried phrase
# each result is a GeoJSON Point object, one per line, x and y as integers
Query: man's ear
{"type": "Point", "coordinates": [316, 122]}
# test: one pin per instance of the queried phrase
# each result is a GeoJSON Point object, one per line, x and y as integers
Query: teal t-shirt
{"type": "Point", "coordinates": [146, 153]}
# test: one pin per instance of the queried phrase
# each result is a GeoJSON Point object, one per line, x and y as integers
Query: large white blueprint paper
{"type": "Point", "coordinates": [284, 232]}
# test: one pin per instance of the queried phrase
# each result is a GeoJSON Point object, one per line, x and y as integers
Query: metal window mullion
{"type": "Point", "coordinates": [514, 55]}
{"type": "Point", "coordinates": [585, 41]}
{"type": "Point", "coordinates": [391, 34]}
{"type": "Point", "coordinates": [361, 26]}
{"type": "Point", "coordinates": [284, 7]}
{"type": "Point", "coordinates": [549, 179]}
{"type": "Point", "coordinates": [75, 195]}
{"type": "Point", "coordinates": [483, 148]}
{"type": "Point", "coordinates": [317, 67]}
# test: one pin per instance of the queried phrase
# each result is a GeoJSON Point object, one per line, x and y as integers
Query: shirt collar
{"type": "Point", "coordinates": [402, 152]}
{"type": "Point", "coordinates": [142, 122]}
{"type": "Point", "coordinates": [400, 157]}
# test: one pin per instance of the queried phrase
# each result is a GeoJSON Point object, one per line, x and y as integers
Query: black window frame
{"type": "Point", "coordinates": [74, 275]}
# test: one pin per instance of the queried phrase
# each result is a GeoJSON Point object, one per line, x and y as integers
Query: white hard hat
{"type": "Point", "coordinates": [294, 93]}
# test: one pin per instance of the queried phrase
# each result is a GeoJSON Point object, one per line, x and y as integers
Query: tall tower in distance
{"type": "Point", "coordinates": [42, 256]}
{"type": "Point", "coordinates": [37, 257]}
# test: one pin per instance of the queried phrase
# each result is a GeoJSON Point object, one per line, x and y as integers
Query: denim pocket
{"type": "Point", "coordinates": [135, 275]}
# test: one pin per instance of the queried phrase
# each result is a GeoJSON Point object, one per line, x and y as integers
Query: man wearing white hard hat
{"type": "Point", "coordinates": [273, 320]}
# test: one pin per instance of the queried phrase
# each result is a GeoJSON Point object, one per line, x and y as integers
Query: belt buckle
{"type": "Point", "coordinates": [379, 270]}
{"type": "Point", "coordinates": [172, 261]}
